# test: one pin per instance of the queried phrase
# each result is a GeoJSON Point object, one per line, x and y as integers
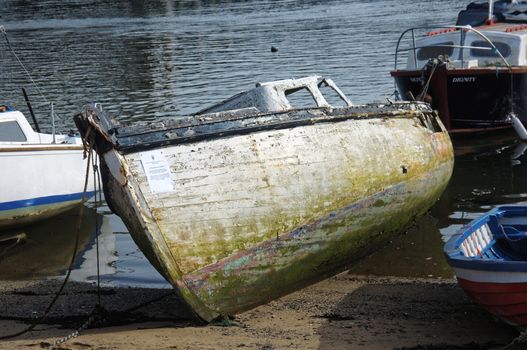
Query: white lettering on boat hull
{"type": "Point", "coordinates": [464, 80]}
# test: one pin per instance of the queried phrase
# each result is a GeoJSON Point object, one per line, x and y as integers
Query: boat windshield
{"type": "Point", "coordinates": [460, 46]}
{"type": "Point", "coordinates": [436, 50]}
{"type": "Point", "coordinates": [300, 98]}
{"type": "Point", "coordinates": [10, 131]}
{"type": "Point", "coordinates": [478, 49]}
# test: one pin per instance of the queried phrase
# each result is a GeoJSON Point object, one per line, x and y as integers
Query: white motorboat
{"type": "Point", "coordinates": [474, 72]}
{"type": "Point", "coordinates": [41, 175]}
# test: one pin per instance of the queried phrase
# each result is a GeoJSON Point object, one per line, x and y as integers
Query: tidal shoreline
{"type": "Point", "coordinates": [343, 312]}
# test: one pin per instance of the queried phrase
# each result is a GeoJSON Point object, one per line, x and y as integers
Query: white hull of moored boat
{"type": "Point", "coordinates": [40, 181]}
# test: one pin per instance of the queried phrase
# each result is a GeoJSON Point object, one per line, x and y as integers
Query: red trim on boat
{"type": "Point", "coordinates": [505, 300]}
{"type": "Point", "coordinates": [441, 31]}
{"type": "Point", "coordinates": [496, 288]}
{"type": "Point", "coordinates": [516, 28]}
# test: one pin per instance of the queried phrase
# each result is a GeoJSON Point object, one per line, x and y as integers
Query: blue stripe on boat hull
{"type": "Point", "coordinates": [33, 202]}
{"type": "Point", "coordinates": [25, 212]}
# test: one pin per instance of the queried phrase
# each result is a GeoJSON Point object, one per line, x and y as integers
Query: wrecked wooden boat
{"type": "Point", "coordinates": [256, 198]}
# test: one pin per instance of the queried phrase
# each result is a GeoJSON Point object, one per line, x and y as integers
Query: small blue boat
{"type": "Point", "coordinates": [489, 258]}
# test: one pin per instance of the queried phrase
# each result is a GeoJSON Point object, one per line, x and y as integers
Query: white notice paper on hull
{"type": "Point", "coordinates": [157, 171]}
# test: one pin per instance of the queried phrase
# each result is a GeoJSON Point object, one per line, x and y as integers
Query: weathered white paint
{"type": "Point", "coordinates": [271, 96]}
{"type": "Point", "coordinates": [239, 190]}
{"type": "Point", "coordinates": [262, 212]}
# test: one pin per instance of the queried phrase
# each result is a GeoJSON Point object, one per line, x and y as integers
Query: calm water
{"type": "Point", "coordinates": [144, 60]}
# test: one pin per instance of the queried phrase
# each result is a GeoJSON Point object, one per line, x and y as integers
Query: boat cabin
{"type": "Point", "coordinates": [283, 95]}
{"type": "Point", "coordinates": [467, 49]}
{"type": "Point", "coordinates": [473, 72]}
{"type": "Point", "coordinates": [15, 129]}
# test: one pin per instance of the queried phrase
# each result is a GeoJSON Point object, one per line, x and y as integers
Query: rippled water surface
{"type": "Point", "coordinates": [144, 60]}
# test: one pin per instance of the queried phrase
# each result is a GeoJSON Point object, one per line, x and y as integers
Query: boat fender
{"type": "Point", "coordinates": [519, 127]}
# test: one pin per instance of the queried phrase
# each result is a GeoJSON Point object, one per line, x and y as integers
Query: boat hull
{"type": "Point", "coordinates": [489, 261]}
{"type": "Point", "coordinates": [254, 216]}
{"type": "Point", "coordinates": [504, 295]}
{"type": "Point", "coordinates": [42, 181]}
{"type": "Point", "coordinates": [470, 100]}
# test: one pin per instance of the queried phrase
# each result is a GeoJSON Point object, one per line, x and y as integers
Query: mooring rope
{"type": "Point", "coordinates": [72, 261]}
{"type": "Point", "coordinates": [424, 91]}
{"type": "Point", "coordinates": [98, 310]}
{"type": "Point", "coordinates": [509, 238]}
{"type": "Point", "coordinates": [98, 199]}
{"type": "Point", "coordinates": [98, 313]}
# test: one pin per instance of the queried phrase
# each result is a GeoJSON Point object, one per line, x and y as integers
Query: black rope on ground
{"type": "Point", "coordinates": [70, 267]}
{"type": "Point", "coordinates": [149, 302]}
{"type": "Point", "coordinates": [98, 311]}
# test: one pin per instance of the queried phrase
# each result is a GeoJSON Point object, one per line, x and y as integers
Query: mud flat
{"type": "Point", "coordinates": [343, 312]}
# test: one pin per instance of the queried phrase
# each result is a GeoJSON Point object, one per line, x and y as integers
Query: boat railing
{"type": "Point", "coordinates": [462, 30]}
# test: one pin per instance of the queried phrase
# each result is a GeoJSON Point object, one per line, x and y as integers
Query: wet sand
{"type": "Point", "coordinates": [343, 312]}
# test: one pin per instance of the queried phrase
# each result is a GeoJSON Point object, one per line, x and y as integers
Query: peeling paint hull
{"type": "Point", "coordinates": [253, 215]}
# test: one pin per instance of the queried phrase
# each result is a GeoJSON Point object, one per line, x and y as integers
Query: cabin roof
{"type": "Point", "coordinates": [273, 96]}
{"type": "Point", "coordinates": [505, 27]}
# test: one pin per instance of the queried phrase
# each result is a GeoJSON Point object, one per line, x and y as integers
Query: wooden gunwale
{"type": "Point", "coordinates": [28, 148]}
{"type": "Point", "coordinates": [133, 139]}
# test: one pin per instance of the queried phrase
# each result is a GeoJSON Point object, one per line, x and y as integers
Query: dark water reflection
{"type": "Point", "coordinates": [149, 59]}
{"type": "Point", "coordinates": [46, 249]}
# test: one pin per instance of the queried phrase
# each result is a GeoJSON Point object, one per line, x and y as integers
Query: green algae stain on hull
{"type": "Point", "coordinates": [313, 252]}
{"type": "Point", "coordinates": [258, 215]}
{"type": "Point", "coordinates": [296, 237]}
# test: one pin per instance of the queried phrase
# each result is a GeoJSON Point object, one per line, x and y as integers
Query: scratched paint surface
{"type": "Point", "coordinates": [236, 197]}
{"type": "Point", "coordinates": [232, 193]}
